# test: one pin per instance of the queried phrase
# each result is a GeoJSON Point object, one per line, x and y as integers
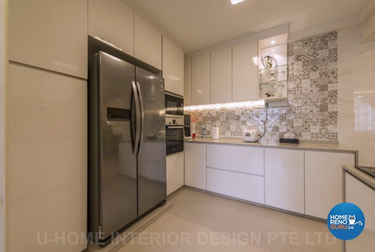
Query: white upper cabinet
{"type": "Point", "coordinates": [201, 80]}
{"type": "Point", "coordinates": [147, 43]}
{"type": "Point", "coordinates": [112, 21]}
{"type": "Point", "coordinates": [187, 82]}
{"type": "Point", "coordinates": [173, 67]}
{"type": "Point", "coordinates": [323, 172]}
{"type": "Point", "coordinates": [245, 71]}
{"type": "Point", "coordinates": [284, 179]}
{"type": "Point", "coordinates": [221, 76]}
{"type": "Point", "coordinates": [49, 34]}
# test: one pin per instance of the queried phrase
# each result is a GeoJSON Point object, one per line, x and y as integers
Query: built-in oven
{"type": "Point", "coordinates": [174, 122]}
{"type": "Point", "coordinates": [174, 104]}
{"type": "Point", "coordinates": [174, 134]}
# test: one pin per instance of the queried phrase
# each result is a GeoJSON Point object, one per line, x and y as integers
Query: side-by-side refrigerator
{"type": "Point", "coordinates": [127, 148]}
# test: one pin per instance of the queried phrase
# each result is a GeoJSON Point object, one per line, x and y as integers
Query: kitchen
{"type": "Point", "coordinates": [241, 128]}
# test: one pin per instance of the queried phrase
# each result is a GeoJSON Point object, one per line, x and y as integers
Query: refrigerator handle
{"type": "Point", "coordinates": [142, 116]}
{"type": "Point", "coordinates": [138, 119]}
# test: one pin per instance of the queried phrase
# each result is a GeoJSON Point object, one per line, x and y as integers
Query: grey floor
{"type": "Point", "coordinates": [203, 222]}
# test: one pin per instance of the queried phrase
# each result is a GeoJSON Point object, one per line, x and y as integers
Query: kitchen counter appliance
{"type": "Point", "coordinates": [187, 131]}
{"type": "Point", "coordinates": [127, 146]}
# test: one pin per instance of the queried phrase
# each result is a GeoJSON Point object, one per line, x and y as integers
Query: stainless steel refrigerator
{"type": "Point", "coordinates": [127, 148]}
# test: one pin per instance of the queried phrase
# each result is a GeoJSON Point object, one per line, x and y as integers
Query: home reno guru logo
{"type": "Point", "coordinates": [346, 221]}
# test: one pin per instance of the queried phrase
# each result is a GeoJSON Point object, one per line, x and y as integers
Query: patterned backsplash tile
{"type": "Point", "coordinates": [312, 108]}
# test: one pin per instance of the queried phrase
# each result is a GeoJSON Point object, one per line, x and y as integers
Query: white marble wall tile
{"type": "Point", "coordinates": [356, 95]}
{"type": "Point", "coordinates": [2, 124]}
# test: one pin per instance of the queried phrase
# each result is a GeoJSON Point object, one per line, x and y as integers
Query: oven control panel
{"type": "Point", "coordinates": [174, 121]}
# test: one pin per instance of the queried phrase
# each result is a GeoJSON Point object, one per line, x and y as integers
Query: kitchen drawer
{"type": "Point", "coordinates": [244, 159]}
{"type": "Point", "coordinates": [238, 185]}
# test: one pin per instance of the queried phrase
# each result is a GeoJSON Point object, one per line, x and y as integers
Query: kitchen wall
{"type": "Point", "coordinates": [311, 111]}
{"type": "Point", "coordinates": [356, 95]}
{"type": "Point", "coordinates": [2, 121]}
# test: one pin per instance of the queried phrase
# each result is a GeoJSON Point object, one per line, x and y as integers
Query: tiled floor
{"type": "Point", "coordinates": [202, 222]}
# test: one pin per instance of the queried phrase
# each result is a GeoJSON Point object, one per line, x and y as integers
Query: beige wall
{"type": "Point", "coordinates": [356, 125]}
{"type": "Point", "coordinates": [2, 122]}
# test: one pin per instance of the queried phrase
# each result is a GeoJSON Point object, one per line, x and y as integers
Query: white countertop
{"type": "Point", "coordinates": [311, 145]}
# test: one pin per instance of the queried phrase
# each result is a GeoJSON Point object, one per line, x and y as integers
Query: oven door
{"type": "Point", "coordinates": [174, 105]}
{"type": "Point", "coordinates": [175, 139]}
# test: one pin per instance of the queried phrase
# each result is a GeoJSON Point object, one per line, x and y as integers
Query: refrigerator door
{"type": "Point", "coordinates": [118, 161]}
{"type": "Point", "coordinates": [152, 187]}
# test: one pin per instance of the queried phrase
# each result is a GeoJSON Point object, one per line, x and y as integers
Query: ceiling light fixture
{"type": "Point", "coordinates": [273, 42]}
{"type": "Point", "coordinates": [273, 50]}
{"type": "Point", "coordinates": [236, 1]}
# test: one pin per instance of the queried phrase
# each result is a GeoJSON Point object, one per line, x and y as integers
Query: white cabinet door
{"type": "Point", "coordinates": [147, 43]}
{"type": "Point", "coordinates": [47, 177]}
{"type": "Point", "coordinates": [173, 67]}
{"type": "Point", "coordinates": [284, 179]}
{"type": "Point", "coordinates": [221, 76]}
{"type": "Point", "coordinates": [195, 165]}
{"type": "Point", "coordinates": [236, 158]}
{"type": "Point", "coordinates": [364, 197]}
{"type": "Point", "coordinates": [187, 82]}
{"type": "Point", "coordinates": [112, 21]}
{"type": "Point", "coordinates": [175, 172]}
{"type": "Point", "coordinates": [49, 34]}
{"type": "Point", "coordinates": [323, 180]}
{"type": "Point", "coordinates": [245, 71]}
{"type": "Point", "coordinates": [238, 185]}
{"type": "Point", "coordinates": [201, 83]}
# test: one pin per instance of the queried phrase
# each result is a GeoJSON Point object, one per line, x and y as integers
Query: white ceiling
{"type": "Point", "coordinates": [198, 24]}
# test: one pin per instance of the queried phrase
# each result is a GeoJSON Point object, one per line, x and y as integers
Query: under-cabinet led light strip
{"type": "Point", "coordinates": [229, 105]}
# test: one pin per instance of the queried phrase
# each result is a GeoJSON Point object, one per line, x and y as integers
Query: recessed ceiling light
{"type": "Point", "coordinates": [273, 42]}
{"type": "Point", "coordinates": [273, 50]}
{"type": "Point", "coordinates": [236, 1]}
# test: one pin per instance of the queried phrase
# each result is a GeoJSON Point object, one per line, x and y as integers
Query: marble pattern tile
{"type": "Point", "coordinates": [356, 96]}
{"type": "Point", "coordinates": [311, 110]}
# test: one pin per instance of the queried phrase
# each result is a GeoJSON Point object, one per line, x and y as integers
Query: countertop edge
{"type": "Point", "coordinates": [326, 148]}
{"type": "Point", "coordinates": [360, 175]}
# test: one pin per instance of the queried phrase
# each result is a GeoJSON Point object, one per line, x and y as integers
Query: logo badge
{"type": "Point", "coordinates": [346, 221]}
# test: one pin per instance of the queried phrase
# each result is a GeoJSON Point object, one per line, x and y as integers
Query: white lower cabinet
{"type": "Point", "coordinates": [364, 197]}
{"type": "Point", "coordinates": [195, 165]}
{"type": "Point", "coordinates": [284, 179]}
{"type": "Point", "coordinates": [323, 178]}
{"type": "Point", "coordinates": [236, 158]}
{"type": "Point", "coordinates": [238, 185]}
{"type": "Point", "coordinates": [306, 182]}
{"type": "Point", "coordinates": [175, 172]}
